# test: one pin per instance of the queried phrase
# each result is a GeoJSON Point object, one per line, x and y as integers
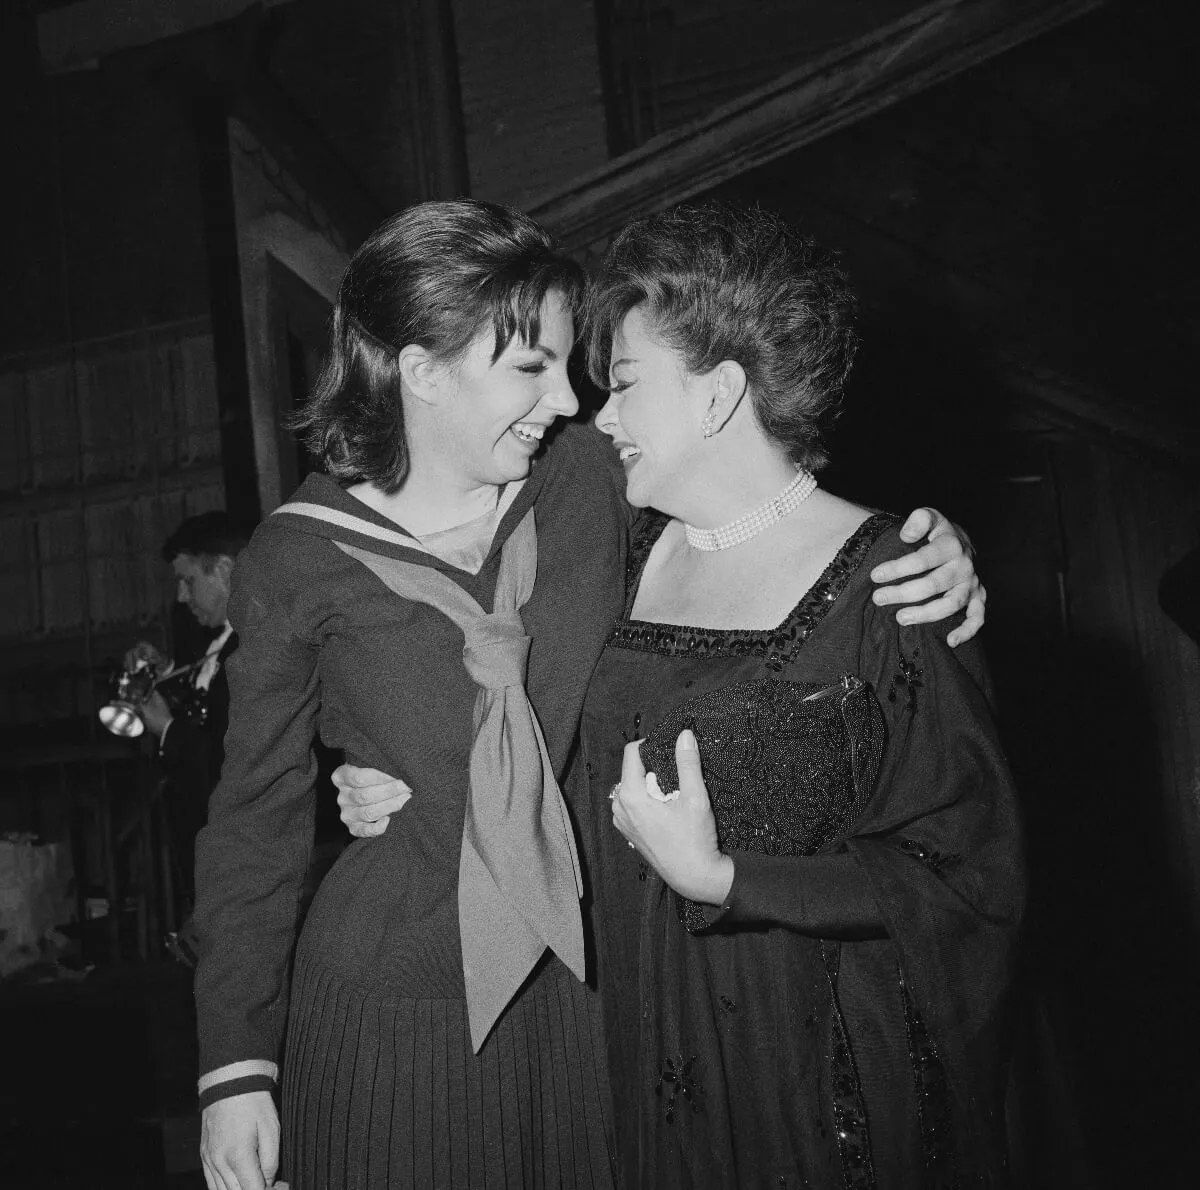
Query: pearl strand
{"type": "Point", "coordinates": [753, 523]}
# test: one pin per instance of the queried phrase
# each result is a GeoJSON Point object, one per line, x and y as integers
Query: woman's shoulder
{"type": "Point", "coordinates": [286, 557]}
{"type": "Point", "coordinates": [579, 444]}
{"type": "Point", "coordinates": [584, 467]}
{"type": "Point", "coordinates": [282, 547]}
{"type": "Point", "coordinates": [858, 537]}
{"type": "Point", "coordinates": [882, 542]}
{"type": "Point", "coordinates": [854, 540]}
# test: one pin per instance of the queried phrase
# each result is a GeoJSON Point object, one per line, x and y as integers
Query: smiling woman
{"type": "Point", "coordinates": [448, 311]}
{"type": "Point", "coordinates": [450, 577]}
{"type": "Point", "coordinates": [805, 946]}
{"type": "Point", "coordinates": [476, 421]}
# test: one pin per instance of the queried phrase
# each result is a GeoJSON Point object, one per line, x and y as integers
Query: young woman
{"type": "Point", "coordinates": [437, 1030]}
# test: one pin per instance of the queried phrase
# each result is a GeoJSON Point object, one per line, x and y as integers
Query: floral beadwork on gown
{"type": "Point", "coordinates": [789, 764]}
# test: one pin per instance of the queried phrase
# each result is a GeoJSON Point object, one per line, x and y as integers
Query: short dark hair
{"type": "Point", "coordinates": [437, 275]}
{"type": "Point", "coordinates": [718, 282]}
{"type": "Point", "coordinates": [208, 535]}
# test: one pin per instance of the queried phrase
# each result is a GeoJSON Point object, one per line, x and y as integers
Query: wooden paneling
{"type": "Point", "coordinates": [1125, 521]}
{"type": "Point", "coordinates": [73, 35]}
{"type": "Point", "coordinates": [100, 465]}
{"type": "Point", "coordinates": [532, 103]}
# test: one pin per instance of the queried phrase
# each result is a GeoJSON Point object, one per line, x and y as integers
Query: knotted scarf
{"type": "Point", "coordinates": [519, 882]}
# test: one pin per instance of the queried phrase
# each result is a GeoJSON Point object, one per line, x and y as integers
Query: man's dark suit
{"type": "Point", "coordinates": [192, 755]}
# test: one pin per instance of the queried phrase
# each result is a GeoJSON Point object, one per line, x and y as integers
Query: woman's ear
{"type": "Point", "coordinates": [728, 387]}
{"type": "Point", "coordinates": [729, 384]}
{"type": "Point", "coordinates": [421, 373]}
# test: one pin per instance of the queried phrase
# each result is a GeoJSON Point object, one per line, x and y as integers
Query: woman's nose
{"type": "Point", "coordinates": [606, 419]}
{"type": "Point", "coordinates": [563, 401]}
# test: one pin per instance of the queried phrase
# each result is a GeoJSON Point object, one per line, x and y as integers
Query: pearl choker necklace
{"type": "Point", "coordinates": [753, 523]}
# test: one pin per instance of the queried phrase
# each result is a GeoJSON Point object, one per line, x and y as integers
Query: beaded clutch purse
{"type": "Point", "coordinates": [789, 766]}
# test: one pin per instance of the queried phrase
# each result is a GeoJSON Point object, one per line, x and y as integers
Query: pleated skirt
{"type": "Point", "coordinates": [383, 1091]}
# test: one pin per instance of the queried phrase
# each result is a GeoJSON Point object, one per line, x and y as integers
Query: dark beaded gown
{"type": "Point", "coordinates": [837, 1023]}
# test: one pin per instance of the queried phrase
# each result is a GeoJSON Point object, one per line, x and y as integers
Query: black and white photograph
{"type": "Point", "coordinates": [599, 595]}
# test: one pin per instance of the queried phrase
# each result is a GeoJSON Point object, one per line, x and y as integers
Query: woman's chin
{"type": "Point", "coordinates": [509, 468]}
{"type": "Point", "coordinates": [518, 471]}
{"type": "Point", "coordinates": [635, 497]}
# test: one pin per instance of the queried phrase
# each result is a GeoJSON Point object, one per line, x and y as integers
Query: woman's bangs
{"type": "Point", "coordinates": [517, 309]}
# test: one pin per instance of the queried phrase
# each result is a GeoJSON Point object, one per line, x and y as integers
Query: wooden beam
{"type": "Point", "coordinates": [79, 34]}
{"type": "Point", "coordinates": [225, 299]}
{"type": "Point", "coordinates": [924, 47]}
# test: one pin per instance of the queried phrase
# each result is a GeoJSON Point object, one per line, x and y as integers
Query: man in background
{"type": "Point", "coordinates": [202, 553]}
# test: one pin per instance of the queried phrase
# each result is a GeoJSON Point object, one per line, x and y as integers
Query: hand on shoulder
{"type": "Point", "coordinates": [940, 576]}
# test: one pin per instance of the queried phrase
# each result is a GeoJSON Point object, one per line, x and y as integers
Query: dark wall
{"type": "Point", "coordinates": [1039, 207]}
{"type": "Point", "coordinates": [1035, 210]}
{"type": "Point", "coordinates": [101, 169]}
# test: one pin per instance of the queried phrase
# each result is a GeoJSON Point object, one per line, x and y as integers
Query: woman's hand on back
{"type": "Point", "coordinates": [368, 798]}
{"type": "Point", "coordinates": [676, 835]}
{"type": "Point", "coordinates": [941, 573]}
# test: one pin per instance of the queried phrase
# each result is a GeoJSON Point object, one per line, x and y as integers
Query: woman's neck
{"type": "Point", "coordinates": [734, 483]}
{"type": "Point", "coordinates": [429, 504]}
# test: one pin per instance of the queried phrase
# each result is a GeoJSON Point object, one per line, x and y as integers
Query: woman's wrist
{"type": "Point", "coordinates": [713, 887]}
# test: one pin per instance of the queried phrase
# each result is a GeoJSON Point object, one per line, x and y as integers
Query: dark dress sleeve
{"type": "Point", "coordinates": [252, 856]}
{"type": "Point", "coordinates": [934, 863]}
{"type": "Point", "coordinates": [941, 847]}
{"type": "Point", "coordinates": [826, 896]}
{"type": "Point", "coordinates": [940, 842]}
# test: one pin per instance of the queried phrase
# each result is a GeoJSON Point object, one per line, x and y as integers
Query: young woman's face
{"type": "Point", "coordinates": [652, 414]}
{"type": "Point", "coordinates": [499, 411]}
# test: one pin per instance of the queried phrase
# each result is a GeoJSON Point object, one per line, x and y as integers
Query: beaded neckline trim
{"type": "Point", "coordinates": [777, 645]}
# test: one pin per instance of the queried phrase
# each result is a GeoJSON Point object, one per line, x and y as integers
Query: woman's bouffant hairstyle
{"type": "Point", "coordinates": [718, 283]}
{"type": "Point", "coordinates": [438, 275]}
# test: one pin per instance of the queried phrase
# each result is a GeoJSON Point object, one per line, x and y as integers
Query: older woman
{"type": "Point", "coordinates": [804, 951]}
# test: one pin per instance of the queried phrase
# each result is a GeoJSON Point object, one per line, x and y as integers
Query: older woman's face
{"type": "Point", "coordinates": [653, 414]}
{"type": "Point", "coordinates": [500, 411]}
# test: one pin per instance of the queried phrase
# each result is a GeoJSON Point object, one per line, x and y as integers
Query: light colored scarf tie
{"type": "Point", "coordinates": [519, 882]}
